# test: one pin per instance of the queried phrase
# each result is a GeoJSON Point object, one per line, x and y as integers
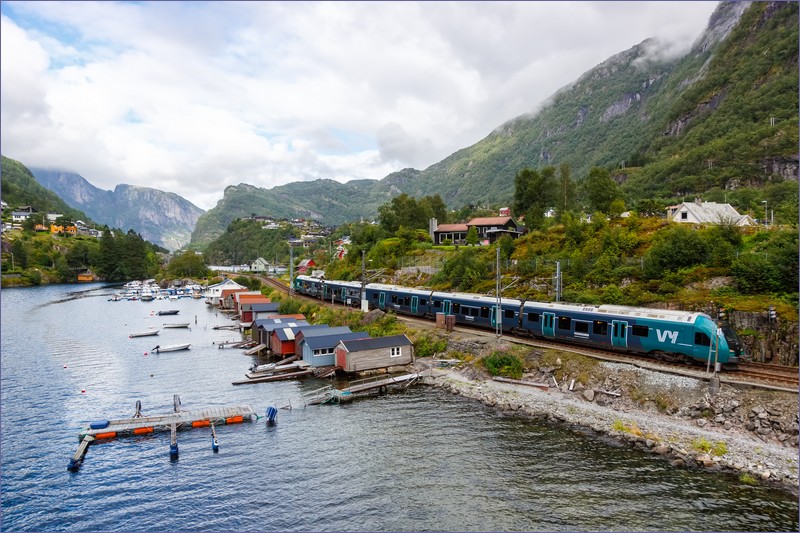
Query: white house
{"type": "Point", "coordinates": [259, 265]}
{"type": "Point", "coordinates": [699, 212]}
{"type": "Point", "coordinates": [20, 216]}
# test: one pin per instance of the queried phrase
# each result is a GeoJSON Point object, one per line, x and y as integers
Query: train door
{"type": "Point", "coordinates": [446, 307]}
{"type": "Point", "coordinates": [619, 333]}
{"type": "Point", "coordinates": [495, 316]}
{"type": "Point", "coordinates": [382, 300]}
{"type": "Point", "coordinates": [415, 305]}
{"type": "Point", "coordinates": [548, 324]}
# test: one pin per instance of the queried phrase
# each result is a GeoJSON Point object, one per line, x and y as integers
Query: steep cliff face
{"type": "Point", "coordinates": [163, 218]}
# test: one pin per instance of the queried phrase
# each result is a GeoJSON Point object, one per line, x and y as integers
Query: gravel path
{"type": "Point", "coordinates": [667, 435]}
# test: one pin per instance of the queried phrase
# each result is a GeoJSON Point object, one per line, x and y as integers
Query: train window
{"type": "Point", "coordinates": [509, 313]}
{"type": "Point", "coordinates": [701, 339]}
{"type": "Point", "coordinates": [474, 311]}
{"type": "Point", "coordinates": [394, 298]}
{"type": "Point", "coordinates": [581, 327]}
{"type": "Point", "coordinates": [456, 308]}
{"type": "Point", "coordinates": [564, 322]}
{"type": "Point", "coordinates": [600, 327]}
{"type": "Point", "coordinates": [533, 317]}
{"type": "Point", "coordinates": [484, 312]}
{"type": "Point", "coordinates": [375, 296]}
{"type": "Point", "coordinates": [423, 302]}
{"type": "Point", "coordinates": [640, 331]}
{"type": "Point", "coordinates": [407, 301]}
{"type": "Point", "coordinates": [437, 304]}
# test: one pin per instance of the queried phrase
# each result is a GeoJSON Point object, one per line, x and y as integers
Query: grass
{"type": "Point", "coordinates": [718, 448]}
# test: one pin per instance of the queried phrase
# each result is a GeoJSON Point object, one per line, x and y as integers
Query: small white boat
{"type": "Point", "coordinates": [116, 298]}
{"type": "Point", "coordinates": [148, 333]}
{"type": "Point", "coordinates": [268, 369]}
{"type": "Point", "coordinates": [171, 348]}
{"type": "Point", "coordinates": [177, 325]}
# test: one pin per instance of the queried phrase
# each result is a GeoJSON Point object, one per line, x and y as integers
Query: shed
{"type": "Point", "coordinates": [370, 354]}
{"type": "Point", "coordinates": [320, 349]}
{"type": "Point", "coordinates": [249, 312]}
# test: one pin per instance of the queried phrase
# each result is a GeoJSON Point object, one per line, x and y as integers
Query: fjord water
{"type": "Point", "coordinates": [420, 460]}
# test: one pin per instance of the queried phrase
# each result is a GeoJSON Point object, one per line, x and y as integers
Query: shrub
{"type": "Point", "coordinates": [504, 364]}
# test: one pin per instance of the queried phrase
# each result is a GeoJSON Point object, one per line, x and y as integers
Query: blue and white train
{"type": "Point", "coordinates": [660, 333]}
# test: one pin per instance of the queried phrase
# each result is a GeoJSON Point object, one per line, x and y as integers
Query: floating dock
{"type": "Point", "coordinates": [172, 422]}
{"type": "Point", "coordinates": [143, 425]}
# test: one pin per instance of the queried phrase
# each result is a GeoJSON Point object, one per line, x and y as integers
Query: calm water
{"type": "Point", "coordinates": [421, 460]}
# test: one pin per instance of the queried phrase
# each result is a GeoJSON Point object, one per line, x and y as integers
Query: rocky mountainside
{"type": "Point", "coordinates": [164, 218]}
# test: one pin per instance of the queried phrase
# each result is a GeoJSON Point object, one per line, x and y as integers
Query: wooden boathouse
{"type": "Point", "coordinates": [370, 354]}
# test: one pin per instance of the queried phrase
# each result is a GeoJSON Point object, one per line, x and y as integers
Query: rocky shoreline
{"type": "Point", "coordinates": [729, 431]}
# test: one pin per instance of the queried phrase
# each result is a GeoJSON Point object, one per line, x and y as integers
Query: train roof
{"type": "Point", "coordinates": [478, 298]}
{"type": "Point", "coordinates": [670, 315]}
{"type": "Point", "coordinates": [388, 287]}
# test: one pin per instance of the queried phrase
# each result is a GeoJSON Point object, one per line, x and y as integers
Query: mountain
{"type": "Point", "coordinates": [723, 116]}
{"type": "Point", "coordinates": [19, 188]}
{"type": "Point", "coordinates": [164, 218]}
{"type": "Point", "coordinates": [327, 201]}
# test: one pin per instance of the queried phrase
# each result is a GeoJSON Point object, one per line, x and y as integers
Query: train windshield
{"type": "Point", "coordinates": [734, 342]}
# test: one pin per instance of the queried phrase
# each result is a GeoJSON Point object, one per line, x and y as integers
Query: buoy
{"type": "Point", "coordinates": [83, 391]}
{"type": "Point", "coordinates": [65, 366]}
{"type": "Point", "coordinates": [272, 414]}
{"type": "Point", "coordinates": [145, 353]}
{"type": "Point", "coordinates": [151, 375]}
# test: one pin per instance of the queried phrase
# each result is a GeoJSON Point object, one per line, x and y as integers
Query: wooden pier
{"type": "Point", "coordinates": [376, 382]}
{"type": "Point", "coordinates": [331, 395]}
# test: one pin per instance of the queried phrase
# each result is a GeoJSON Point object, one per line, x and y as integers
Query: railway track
{"type": "Point", "coordinates": [760, 375]}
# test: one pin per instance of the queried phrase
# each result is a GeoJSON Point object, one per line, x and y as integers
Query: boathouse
{"type": "Point", "coordinates": [282, 338]}
{"type": "Point", "coordinates": [302, 334]}
{"type": "Point", "coordinates": [371, 354]}
{"type": "Point", "coordinates": [213, 293]}
{"type": "Point", "coordinates": [262, 327]}
{"type": "Point", "coordinates": [320, 349]}
{"type": "Point", "coordinates": [253, 311]}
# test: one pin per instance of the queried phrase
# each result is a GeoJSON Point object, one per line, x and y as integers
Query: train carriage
{"type": "Point", "coordinates": [343, 292]}
{"type": "Point", "coordinates": [399, 299]}
{"type": "Point", "coordinates": [477, 310]}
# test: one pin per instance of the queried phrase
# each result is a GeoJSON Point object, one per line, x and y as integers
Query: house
{"type": "Point", "coordinates": [282, 338]}
{"type": "Point", "coordinates": [489, 230]}
{"type": "Point", "coordinates": [20, 216]}
{"type": "Point", "coordinates": [504, 212]}
{"type": "Point", "coordinates": [318, 347]}
{"type": "Point", "coordinates": [259, 265]}
{"type": "Point", "coordinates": [213, 293]}
{"type": "Point", "coordinates": [52, 217]}
{"type": "Point", "coordinates": [699, 212]}
{"type": "Point", "coordinates": [263, 328]}
{"type": "Point", "coordinates": [369, 354]}
{"type": "Point", "coordinates": [304, 265]}
{"type": "Point", "coordinates": [253, 297]}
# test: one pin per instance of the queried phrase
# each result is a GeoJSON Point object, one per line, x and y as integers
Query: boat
{"type": "Point", "coordinates": [262, 371]}
{"type": "Point", "coordinates": [168, 312]}
{"type": "Point", "coordinates": [171, 348]}
{"type": "Point", "coordinates": [177, 325]}
{"type": "Point", "coordinates": [148, 333]}
{"type": "Point", "coordinates": [116, 298]}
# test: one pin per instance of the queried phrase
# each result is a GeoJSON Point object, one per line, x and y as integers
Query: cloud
{"type": "Point", "coordinates": [192, 97]}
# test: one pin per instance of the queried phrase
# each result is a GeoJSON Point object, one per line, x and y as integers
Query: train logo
{"type": "Point", "coordinates": [662, 336]}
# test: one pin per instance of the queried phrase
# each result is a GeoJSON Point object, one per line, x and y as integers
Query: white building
{"type": "Point", "coordinates": [699, 212]}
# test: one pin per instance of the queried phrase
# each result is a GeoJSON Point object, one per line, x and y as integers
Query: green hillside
{"type": "Point", "coordinates": [19, 188]}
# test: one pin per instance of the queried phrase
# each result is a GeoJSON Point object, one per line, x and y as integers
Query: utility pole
{"type": "Point", "coordinates": [498, 325]}
{"type": "Point", "coordinates": [558, 281]}
{"type": "Point", "coordinates": [364, 303]}
{"type": "Point", "coordinates": [291, 269]}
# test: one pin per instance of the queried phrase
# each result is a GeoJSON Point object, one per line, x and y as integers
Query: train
{"type": "Point", "coordinates": [669, 335]}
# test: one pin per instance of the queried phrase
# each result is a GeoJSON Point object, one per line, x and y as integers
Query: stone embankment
{"type": "Point", "coordinates": [752, 433]}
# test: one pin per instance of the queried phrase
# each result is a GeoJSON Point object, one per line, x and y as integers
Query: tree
{"type": "Point", "coordinates": [600, 190]}
{"type": "Point", "coordinates": [533, 195]}
{"type": "Point", "coordinates": [566, 191]}
{"type": "Point", "coordinates": [187, 265]}
{"type": "Point", "coordinates": [472, 236]}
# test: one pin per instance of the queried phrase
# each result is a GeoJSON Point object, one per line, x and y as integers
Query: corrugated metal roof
{"type": "Point", "coordinates": [329, 341]}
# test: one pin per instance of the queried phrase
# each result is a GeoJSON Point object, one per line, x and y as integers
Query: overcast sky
{"type": "Point", "coordinates": [191, 97]}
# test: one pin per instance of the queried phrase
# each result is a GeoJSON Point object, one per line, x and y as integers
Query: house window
{"type": "Point", "coordinates": [323, 351]}
{"type": "Point", "coordinates": [397, 351]}
{"type": "Point", "coordinates": [639, 331]}
{"type": "Point", "coordinates": [684, 215]}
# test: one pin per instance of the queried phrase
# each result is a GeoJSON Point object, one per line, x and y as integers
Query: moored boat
{"type": "Point", "coordinates": [168, 312]}
{"type": "Point", "coordinates": [171, 348]}
{"type": "Point", "coordinates": [148, 333]}
{"type": "Point", "coordinates": [177, 325]}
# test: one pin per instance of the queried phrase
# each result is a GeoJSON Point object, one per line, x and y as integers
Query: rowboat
{"type": "Point", "coordinates": [171, 348]}
{"type": "Point", "coordinates": [177, 325]}
{"type": "Point", "coordinates": [168, 312]}
{"type": "Point", "coordinates": [147, 333]}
